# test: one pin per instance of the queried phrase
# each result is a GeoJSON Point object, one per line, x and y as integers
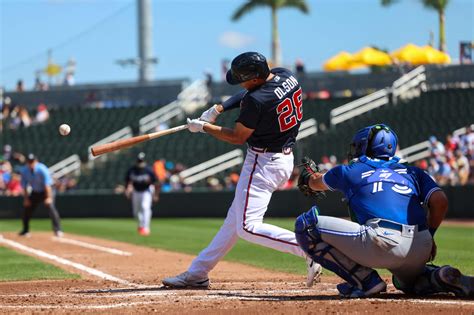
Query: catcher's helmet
{"type": "Point", "coordinates": [247, 66]}
{"type": "Point", "coordinates": [378, 141]}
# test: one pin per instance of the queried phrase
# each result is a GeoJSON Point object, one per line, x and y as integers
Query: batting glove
{"type": "Point", "coordinates": [196, 125]}
{"type": "Point", "coordinates": [210, 115]}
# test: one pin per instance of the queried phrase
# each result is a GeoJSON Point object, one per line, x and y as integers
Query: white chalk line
{"type": "Point", "coordinates": [79, 307]}
{"type": "Point", "coordinates": [91, 246]}
{"type": "Point", "coordinates": [223, 295]}
{"type": "Point", "coordinates": [81, 267]}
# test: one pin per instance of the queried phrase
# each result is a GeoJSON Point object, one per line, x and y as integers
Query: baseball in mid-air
{"type": "Point", "coordinates": [64, 129]}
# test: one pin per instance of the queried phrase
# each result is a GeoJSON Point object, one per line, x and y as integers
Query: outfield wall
{"type": "Point", "coordinates": [288, 203]}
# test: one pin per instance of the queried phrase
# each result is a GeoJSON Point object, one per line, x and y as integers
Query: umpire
{"type": "Point", "coordinates": [37, 182]}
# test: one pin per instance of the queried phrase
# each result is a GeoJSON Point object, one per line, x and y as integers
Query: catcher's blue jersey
{"type": "Point", "coordinates": [383, 189]}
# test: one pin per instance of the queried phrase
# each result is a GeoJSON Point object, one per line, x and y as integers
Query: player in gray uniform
{"type": "Point", "coordinates": [143, 189]}
{"type": "Point", "coordinates": [390, 229]}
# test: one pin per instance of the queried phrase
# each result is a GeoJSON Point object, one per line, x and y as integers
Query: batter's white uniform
{"type": "Point", "coordinates": [262, 174]}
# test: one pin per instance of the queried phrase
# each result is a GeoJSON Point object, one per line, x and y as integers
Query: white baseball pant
{"type": "Point", "coordinates": [141, 203]}
{"type": "Point", "coordinates": [261, 175]}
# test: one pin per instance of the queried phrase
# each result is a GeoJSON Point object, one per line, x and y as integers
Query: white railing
{"type": "Point", "coordinates": [213, 166]}
{"type": "Point", "coordinates": [71, 164]}
{"type": "Point", "coordinates": [423, 149]}
{"type": "Point", "coordinates": [154, 119]}
{"type": "Point", "coordinates": [308, 127]}
{"type": "Point", "coordinates": [125, 132]}
{"type": "Point", "coordinates": [461, 131]}
{"type": "Point", "coordinates": [416, 152]}
{"type": "Point", "coordinates": [359, 106]}
{"type": "Point", "coordinates": [189, 99]}
{"type": "Point", "coordinates": [409, 85]}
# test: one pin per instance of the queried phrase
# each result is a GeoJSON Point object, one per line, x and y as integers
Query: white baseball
{"type": "Point", "coordinates": [64, 129]}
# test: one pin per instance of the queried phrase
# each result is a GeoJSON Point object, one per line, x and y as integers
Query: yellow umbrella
{"type": "Point", "coordinates": [372, 57]}
{"type": "Point", "coordinates": [341, 61]}
{"type": "Point", "coordinates": [410, 53]}
{"type": "Point", "coordinates": [435, 56]}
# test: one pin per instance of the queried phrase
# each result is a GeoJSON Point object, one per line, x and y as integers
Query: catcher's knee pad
{"type": "Point", "coordinates": [306, 231]}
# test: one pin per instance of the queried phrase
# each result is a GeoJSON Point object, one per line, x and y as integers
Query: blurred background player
{"type": "Point", "coordinates": [37, 182]}
{"type": "Point", "coordinates": [143, 189]}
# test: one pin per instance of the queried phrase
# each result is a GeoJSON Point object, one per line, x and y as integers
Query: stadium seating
{"type": "Point", "coordinates": [433, 113]}
{"type": "Point", "coordinates": [88, 125]}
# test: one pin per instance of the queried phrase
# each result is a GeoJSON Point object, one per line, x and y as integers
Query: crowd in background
{"type": "Point", "coordinates": [15, 116]}
{"type": "Point", "coordinates": [452, 162]}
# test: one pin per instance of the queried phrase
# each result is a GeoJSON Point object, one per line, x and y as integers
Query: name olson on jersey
{"type": "Point", "coordinates": [287, 85]}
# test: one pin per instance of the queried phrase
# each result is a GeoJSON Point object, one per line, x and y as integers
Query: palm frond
{"type": "Point", "coordinates": [249, 6]}
{"type": "Point", "coordinates": [438, 5]}
{"type": "Point", "coordinates": [297, 4]}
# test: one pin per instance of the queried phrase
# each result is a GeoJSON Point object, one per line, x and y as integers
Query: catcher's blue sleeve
{"type": "Point", "coordinates": [335, 178]}
{"type": "Point", "coordinates": [426, 184]}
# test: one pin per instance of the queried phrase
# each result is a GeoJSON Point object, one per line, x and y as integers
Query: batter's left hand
{"type": "Point", "coordinates": [196, 125]}
{"type": "Point", "coordinates": [210, 115]}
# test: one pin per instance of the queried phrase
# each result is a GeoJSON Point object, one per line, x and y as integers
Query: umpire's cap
{"type": "Point", "coordinates": [247, 66]}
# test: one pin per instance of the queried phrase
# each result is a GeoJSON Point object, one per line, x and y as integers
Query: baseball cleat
{"type": "Point", "coordinates": [314, 271]}
{"type": "Point", "coordinates": [143, 231]}
{"type": "Point", "coordinates": [371, 286]}
{"type": "Point", "coordinates": [58, 233]}
{"type": "Point", "coordinates": [186, 280]}
{"type": "Point", "coordinates": [454, 281]}
{"type": "Point", "coordinates": [24, 234]}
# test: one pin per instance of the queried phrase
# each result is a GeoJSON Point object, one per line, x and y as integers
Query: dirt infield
{"type": "Point", "coordinates": [133, 285]}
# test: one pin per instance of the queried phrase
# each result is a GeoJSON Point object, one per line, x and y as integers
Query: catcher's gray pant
{"type": "Point", "coordinates": [262, 174]}
{"type": "Point", "coordinates": [141, 203]}
{"type": "Point", "coordinates": [404, 253]}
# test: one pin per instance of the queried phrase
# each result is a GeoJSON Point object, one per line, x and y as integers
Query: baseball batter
{"type": "Point", "coordinates": [271, 110]}
{"type": "Point", "coordinates": [390, 228]}
{"type": "Point", "coordinates": [142, 189]}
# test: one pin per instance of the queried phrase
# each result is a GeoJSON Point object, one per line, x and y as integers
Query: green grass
{"type": "Point", "coordinates": [16, 267]}
{"type": "Point", "coordinates": [455, 244]}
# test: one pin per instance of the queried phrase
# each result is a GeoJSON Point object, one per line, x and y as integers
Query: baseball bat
{"type": "Point", "coordinates": [129, 142]}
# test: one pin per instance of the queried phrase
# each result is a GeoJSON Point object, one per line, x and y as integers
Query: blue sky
{"type": "Point", "coordinates": [193, 35]}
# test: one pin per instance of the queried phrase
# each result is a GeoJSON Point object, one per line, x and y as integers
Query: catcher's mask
{"type": "Point", "coordinates": [377, 141]}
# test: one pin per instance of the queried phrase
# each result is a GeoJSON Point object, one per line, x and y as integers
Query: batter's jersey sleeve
{"type": "Point", "coordinates": [249, 113]}
{"type": "Point", "coordinates": [425, 183]}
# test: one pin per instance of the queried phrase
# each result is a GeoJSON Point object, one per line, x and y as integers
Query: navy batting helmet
{"type": "Point", "coordinates": [378, 141]}
{"type": "Point", "coordinates": [247, 66]}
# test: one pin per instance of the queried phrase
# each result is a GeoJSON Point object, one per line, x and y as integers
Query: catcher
{"type": "Point", "coordinates": [390, 229]}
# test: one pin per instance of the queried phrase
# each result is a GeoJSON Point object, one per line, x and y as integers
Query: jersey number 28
{"type": "Point", "coordinates": [290, 111]}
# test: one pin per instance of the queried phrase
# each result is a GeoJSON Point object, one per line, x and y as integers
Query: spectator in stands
{"type": "Point", "coordinates": [214, 184]}
{"type": "Point", "coordinates": [463, 167]}
{"type": "Point", "coordinates": [299, 67]}
{"type": "Point", "coordinates": [451, 144]}
{"type": "Point", "coordinates": [69, 80]}
{"type": "Point", "coordinates": [437, 148]}
{"type": "Point", "coordinates": [19, 86]}
{"type": "Point", "coordinates": [467, 140]}
{"type": "Point", "coordinates": [13, 187]}
{"type": "Point", "coordinates": [65, 183]}
{"type": "Point", "coordinates": [37, 185]}
{"type": "Point", "coordinates": [42, 113]}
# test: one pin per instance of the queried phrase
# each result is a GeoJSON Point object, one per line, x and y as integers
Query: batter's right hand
{"type": "Point", "coordinates": [210, 115]}
{"type": "Point", "coordinates": [196, 125]}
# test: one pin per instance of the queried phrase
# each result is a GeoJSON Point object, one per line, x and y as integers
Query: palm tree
{"type": "Point", "coordinates": [440, 7]}
{"type": "Point", "coordinates": [274, 5]}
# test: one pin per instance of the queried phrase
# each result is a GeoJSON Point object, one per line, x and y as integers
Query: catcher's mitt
{"type": "Point", "coordinates": [307, 168]}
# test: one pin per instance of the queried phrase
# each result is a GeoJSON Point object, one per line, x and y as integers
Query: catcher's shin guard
{"type": "Point", "coordinates": [309, 238]}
